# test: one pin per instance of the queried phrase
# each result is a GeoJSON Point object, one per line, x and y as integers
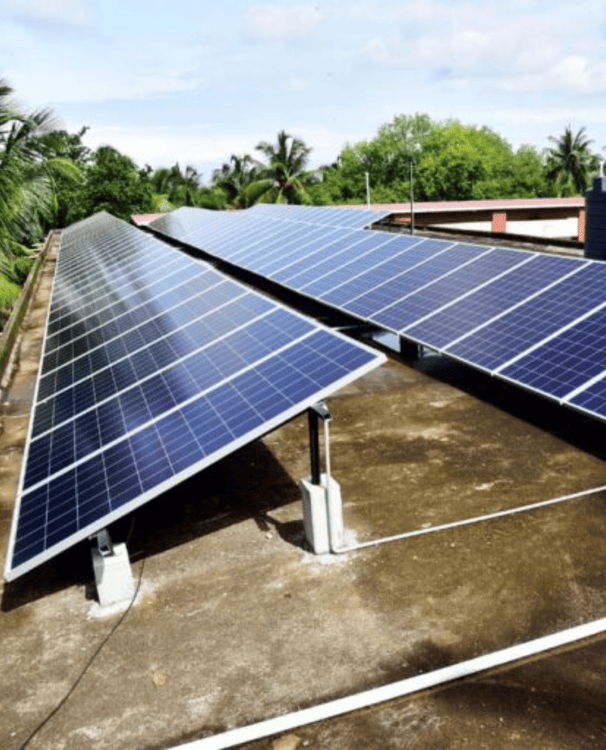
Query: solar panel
{"type": "Point", "coordinates": [591, 399]}
{"type": "Point", "coordinates": [328, 215]}
{"type": "Point", "coordinates": [353, 261]}
{"type": "Point", "coordinates": [386, 303]}
{"type": "Point", "coordinates": [499, 341]}
{"type": "Point", "coordinates": [272, 260]}
{"type": "Point", "coordinates": [565, 362]}
{"type": "Point", "coordinates": [314, 274]}
{"type": "Point", "coordinates": [296, 267]}
{"type": "Point", "coordinates": [529, 318]}
{"type": "Point", "coordinates": [469, 275]}
{"type": "Point", "coordinates": [148, 378]}
{"type": "Point", "coordinates": [490, 300]}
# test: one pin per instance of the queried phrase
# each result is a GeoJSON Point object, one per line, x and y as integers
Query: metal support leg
{"type": "Point", "coordinates": [322, 514]}
{"type": "Point", "coordinates": [314, 446]}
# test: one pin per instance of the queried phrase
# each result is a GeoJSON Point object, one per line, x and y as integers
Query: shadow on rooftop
{"type": "Point", "coordinates": [248, 484]}
{"type": "Point", "coordinates": [582, 432]}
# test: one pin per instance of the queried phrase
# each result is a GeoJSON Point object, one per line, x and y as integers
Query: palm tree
{"type": "Point", "coordinates": [173, 188]}
{"type": "Point", "coordinates": [27, 172]}
{"type": "Point", "coordinates": [27, 189]}
{"type": "Point", "coordinates": [285, 177]}
{"type": "Point", "coordinates": [240, 181]}
{"type": "Point", "coordinates": [570, 163]}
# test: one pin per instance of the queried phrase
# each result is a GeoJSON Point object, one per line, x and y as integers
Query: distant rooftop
{"type": "Point", "coordinates": [479, 205]}
{"type": "Point", "coordinates": [143, 219]}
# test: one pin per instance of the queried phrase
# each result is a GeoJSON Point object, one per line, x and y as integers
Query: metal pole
{"type": "Point", "coordinates": [367, 189]}
{"type": "Point", "coordinates": [412, 197]}
{"type": "Point", "coordinates": [314, 446]}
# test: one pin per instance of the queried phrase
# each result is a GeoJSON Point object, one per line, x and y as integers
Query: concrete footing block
{"type": "Point", "coordinates": [113, 576]}
{"type": "Point", "coordinates": [322, 514]}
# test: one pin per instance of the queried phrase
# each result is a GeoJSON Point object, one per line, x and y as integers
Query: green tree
{"type": "Point", "coordinates": [529, 179]}
{"type": "Point", "coordinates": [284, 177]}
{"type": "Point", "coordinates": [238, 180]}
{"type": "Point", "coordinates": [570, 163]}
{"type": "Point", "coordinates": [27, 188]}
{"type": "Point", "coordinates": [68, 159]}
{"type": "Point", "coordinates": [115, 184]}
{"type": "Point", "coordinates": [386, 159]}
{"type": "Point", "coordinates": [173, 187]}
{"type": "Point", "coordinates": [463, 162]}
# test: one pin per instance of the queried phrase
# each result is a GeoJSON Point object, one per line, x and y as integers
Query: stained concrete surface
{"type": "Point", "coordinates": [236, 621]}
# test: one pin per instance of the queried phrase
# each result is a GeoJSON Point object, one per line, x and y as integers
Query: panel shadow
{"type": "Point", "coordinates": [247, 484]}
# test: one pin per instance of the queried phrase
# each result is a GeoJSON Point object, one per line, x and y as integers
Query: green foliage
{"type": "Point", "coordinates": [529, 179]}
{"type": "Point", "coordinates": [115, 184]}
{"type": "Point", "coordinates": [9, 293]}
{"type": "Point", "coordinates": [386, 158]}
{"type": "Point", "coordinates": [27, 189]}
{"type": "Point", "coordinates": [67, 159]}
{"type": "Point", "coordinates": [283, 177]}
{"type": "Point", "coordinates": [451, 161]}
{"type": "Point", "coordinates": [25, 185]}
{"type": "Point", "coordinates": [462, 162]}
{"type": "Point", "coordinates": [570, 163]}
{"type": "Point", "coordinates": [236, 181]}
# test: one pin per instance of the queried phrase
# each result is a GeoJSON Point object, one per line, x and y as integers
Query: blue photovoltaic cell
{"type": "Point", "coordinates": [385, 303]}
{"type": "Point", "coordinates": [333, 272]}
{"type": "Point", "coordinates": [137, 394]}
{"type": "Point", "coordinates": [566, 361]}
{"type": "Point", "coordinates": [272, 264]}
{"type": "Point", "coordinates": [515, 331]}
{"type": "Point", "coordinates": [492, 299]}
{"type": "Point", "coordinates": [450, 287]}
{"type": "Point", "coordinates": [370, 270]}
{"type": "Point", "coordinates": [592, 399]}
{"type": "Point", "coordinates": [317, 270]}
{"type": "Point", "coordinates": [253, 254]}
{"type": "Point", "coordinates": [311, 258]}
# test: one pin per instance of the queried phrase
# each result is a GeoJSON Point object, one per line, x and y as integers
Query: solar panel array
{"type": "Point", "coordinates": [536, 320]}
{"type": "Point", "coordinates": [155, 365]}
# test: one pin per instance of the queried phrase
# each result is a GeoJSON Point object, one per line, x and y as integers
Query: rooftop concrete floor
{"type": "Point", "coordinates": [235, 621]}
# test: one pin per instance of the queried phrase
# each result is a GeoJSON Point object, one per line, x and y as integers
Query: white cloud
{"type": "Point", "coordinates": [90, 84]}
{"type": "Point", "coordinates": [386, 49]}
{"type": "Point", "coordinates": [163, 146]}
{"type": "Point", "coordinates": [42, 71]}
{"type": "Point", "coordinates": [278, 21]}
{"type": "Point", "coordinates": [298, 84]}
{"type": "Point", "coordinates": [573, 74]}
{"type": "Point", "coordinates": [65, 11]}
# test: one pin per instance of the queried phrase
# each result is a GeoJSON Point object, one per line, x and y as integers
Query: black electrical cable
{"type": "Point", "coordinates": [88, 665]}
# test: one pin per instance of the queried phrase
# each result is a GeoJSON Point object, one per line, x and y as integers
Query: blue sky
{"type": "Point", "coordinates": [194, 82]}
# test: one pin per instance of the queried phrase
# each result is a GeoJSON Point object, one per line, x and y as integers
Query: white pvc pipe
{"type": "Point", "coordinates": [334, 519]}
{"type": "Point", "coordinates": [395, 690]}
{"type": "Point", "coordinates": [469, 521]}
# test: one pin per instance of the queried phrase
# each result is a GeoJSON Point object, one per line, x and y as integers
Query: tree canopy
{"type": "Point", "coordinates": [28, 176]}
{"type": "Point", "coordinates": [570, 163]}
{"type": "Point", "coordinates": [284, 177]}
{"type": "Point", "coordinates": [451, 161]}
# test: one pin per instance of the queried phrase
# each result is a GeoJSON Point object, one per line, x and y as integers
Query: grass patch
{"type": "Point", "coordinates": [9, 292]}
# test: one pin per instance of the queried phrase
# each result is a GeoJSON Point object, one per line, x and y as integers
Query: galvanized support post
{"type": "Point", "coordinates": [322, 512]}
{"type": "Point", "coordinates": [314, 446]}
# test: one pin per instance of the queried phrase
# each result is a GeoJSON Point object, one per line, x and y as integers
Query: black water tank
{"type": "Point", "coordinates": [595, 220]}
